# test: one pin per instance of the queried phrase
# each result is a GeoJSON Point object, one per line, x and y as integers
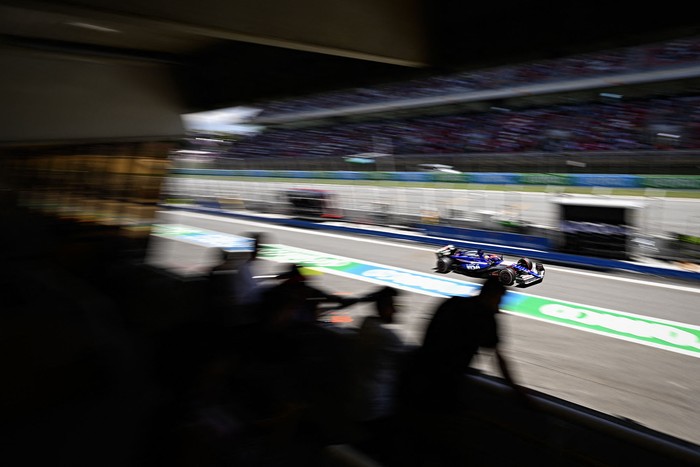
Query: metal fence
{"type": "Point", "coordinates": [510, 209]}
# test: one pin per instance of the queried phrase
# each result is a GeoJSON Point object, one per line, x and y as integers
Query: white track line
{"type": "Point", "coordinates": [679, 288]}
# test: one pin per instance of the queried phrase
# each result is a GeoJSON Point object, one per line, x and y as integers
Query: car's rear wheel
{"type": "Point", "coordinates": [506, 276]}
{"type": "Point", "coordinates": [526, 263]}
{"type": "Point", "coordinates": [444, 265]}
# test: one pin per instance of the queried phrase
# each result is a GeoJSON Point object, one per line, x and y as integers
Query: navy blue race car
{"type": "Point", "coordinates": [478, 263]}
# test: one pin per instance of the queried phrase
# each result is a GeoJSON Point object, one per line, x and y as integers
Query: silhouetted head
{"type": "Point", "coordinates": [293, 274]}
{"type": "Point", "coordinates": [384, 302]}
{"type": "Point", "coordinates": [257, 238]}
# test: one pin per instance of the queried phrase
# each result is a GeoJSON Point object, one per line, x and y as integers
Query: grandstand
{"type": "Point", "coordinates": [675, 55]}
{"type": "Point", "coordinates": [616, 110]}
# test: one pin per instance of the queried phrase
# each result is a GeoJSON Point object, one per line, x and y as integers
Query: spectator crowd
{"type": "Point", "coordinates": [675, 53]}
{"type": "Point", "coordinates": [655, 120]}
{"type": "Point", "coordinates": [606, 125]}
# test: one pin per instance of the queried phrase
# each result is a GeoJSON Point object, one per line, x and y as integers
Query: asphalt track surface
{"type": "Point", "coordinates": [653, 386]}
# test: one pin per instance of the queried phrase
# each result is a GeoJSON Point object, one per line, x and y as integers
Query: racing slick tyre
{"type": "Point", "coordinates": [444, 265]}
{"type": "Point", "coordinates": [506, 276]}
{"type": "Point", "coordinates": [526, 263]}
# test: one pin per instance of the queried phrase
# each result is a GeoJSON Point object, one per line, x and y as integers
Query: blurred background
{"type": "Point", "coordinates": [573, 126]}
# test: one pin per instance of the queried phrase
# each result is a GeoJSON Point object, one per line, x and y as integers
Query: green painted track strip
{"type": "Point", "coordinates": [662, 334]}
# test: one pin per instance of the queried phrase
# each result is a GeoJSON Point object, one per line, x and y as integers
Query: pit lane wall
{"type": "Point", "coordinates": [666, 182]}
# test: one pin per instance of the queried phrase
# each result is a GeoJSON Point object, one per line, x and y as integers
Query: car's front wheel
{"type": "Point", "coordinates": [444, 265]}
{"type": "Point", "coordinates": [506, 276]}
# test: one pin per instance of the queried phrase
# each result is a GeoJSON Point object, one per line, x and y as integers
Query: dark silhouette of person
{"type": "Point", "coordinates": [235, 291]}
{"type": "Point", "coordinates": [378, 356]}
{"type": "Point", "coordinates": [220, 293]}
{"type": "Point", "coordinates": [302, 359]}
{"type": "Point", "coordinates": [378, 351]}
{"type": "Point", "coordinates": [247, 288]}
{"type": "Point", "coordinates": [314, 300]}
{"type": "Point", "coordinates": [434, 388]}
{"type": "Point", "coordinates": [458, 330]}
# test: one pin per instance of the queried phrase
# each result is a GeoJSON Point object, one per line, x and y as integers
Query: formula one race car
{"type": "Point", "coordinates": [477, 263]}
